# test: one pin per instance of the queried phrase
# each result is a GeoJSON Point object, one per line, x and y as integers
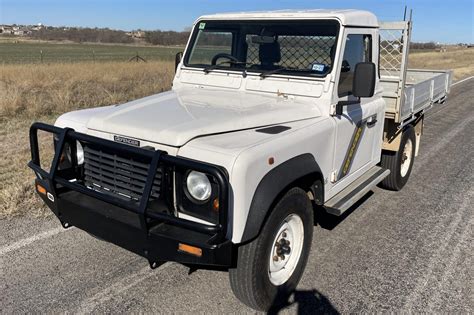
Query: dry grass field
{"type": "Point", "coordinates": [460, 60]}
{"type": "Point", "coordinates": [31, 93]}
{"type": "Point", "coordinates": [37, 92]}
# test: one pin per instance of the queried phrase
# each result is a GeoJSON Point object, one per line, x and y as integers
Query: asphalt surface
{"type": "Point", "coordinates": [397, 251]}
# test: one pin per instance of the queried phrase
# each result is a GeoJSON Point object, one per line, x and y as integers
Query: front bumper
{"type": "Point", "coordinates": [151, 232]}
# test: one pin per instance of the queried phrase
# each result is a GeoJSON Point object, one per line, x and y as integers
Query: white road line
{"type": "Point", "coordinates": [455, 83]}
{"type": "Point", "coordinates": [27, 241]}
{"type": "Point", "coordinates": [124, 284]}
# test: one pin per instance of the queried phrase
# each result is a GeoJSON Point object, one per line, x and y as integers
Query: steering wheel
{"type": "Point", "coordinates": [223, 55]}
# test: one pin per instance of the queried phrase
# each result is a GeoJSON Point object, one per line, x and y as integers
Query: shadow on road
{"type": "Point", "coordinates": [328, 221]}
{"type": "Point", "coordinates": [307, 302]}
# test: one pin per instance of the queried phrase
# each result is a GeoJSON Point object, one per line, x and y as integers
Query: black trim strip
{"type": "Point", "coordinates": [352, 149]}
{"type": "Point", "coordinates": [354, 145]}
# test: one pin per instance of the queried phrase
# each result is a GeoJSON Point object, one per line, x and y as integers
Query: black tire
{"type": "Point", "coordinates": [393, 161]}
{"type": "Point", "coordinates": [250, 280]}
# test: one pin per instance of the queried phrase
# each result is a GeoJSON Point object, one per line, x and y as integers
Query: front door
{"type": "Point", "coordinates": [355, 137]}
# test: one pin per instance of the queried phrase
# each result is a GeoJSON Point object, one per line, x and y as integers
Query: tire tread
{"type": "Point", "coordinates": [390, 160]}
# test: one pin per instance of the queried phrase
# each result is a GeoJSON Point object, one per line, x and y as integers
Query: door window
{"type": "Point", "coordinates": [358, 49]}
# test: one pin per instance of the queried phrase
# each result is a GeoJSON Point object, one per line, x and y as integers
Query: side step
{"type": "Point", "coordinates": [338, 204]}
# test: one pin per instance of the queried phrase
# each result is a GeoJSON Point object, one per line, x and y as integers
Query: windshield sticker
{"type": "Point", "coordinates": [202, 26]}
{"type": "Point", "coordinates": [318, 67]}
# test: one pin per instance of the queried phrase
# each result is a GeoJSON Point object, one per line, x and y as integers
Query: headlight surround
{"type": "Point", "coordinates": [198, 187]}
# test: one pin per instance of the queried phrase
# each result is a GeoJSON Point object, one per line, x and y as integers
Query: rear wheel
{"type": "Point", "coordinates": [270, 267]}
{"type": "Point", "coordinates": [399, 163]}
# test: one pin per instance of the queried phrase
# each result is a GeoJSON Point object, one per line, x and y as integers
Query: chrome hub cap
{"type": "Point", "coordinates": [286, 250]}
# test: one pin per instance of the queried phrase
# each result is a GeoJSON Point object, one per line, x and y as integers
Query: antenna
{"type": "Point", "coordinates": [405, 13]}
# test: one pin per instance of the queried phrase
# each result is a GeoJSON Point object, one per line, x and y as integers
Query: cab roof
{"type": "Point", "coordinates": [347, 17]}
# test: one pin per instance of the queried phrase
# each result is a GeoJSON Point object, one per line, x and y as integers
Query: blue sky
{"type": "Point", "coordinates": [434, 20]}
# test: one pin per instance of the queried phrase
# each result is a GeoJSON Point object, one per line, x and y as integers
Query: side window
{"type": "Point", "coordinates": [358, 49]}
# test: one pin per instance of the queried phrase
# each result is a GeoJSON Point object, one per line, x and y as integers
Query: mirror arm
{"type": "Point", "coordinates": [177, 60]}
{"type": "Point", "coordinates": [340, 105]}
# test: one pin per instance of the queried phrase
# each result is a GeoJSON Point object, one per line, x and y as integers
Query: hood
{"type": "Point", "coordinates": [174, 118]}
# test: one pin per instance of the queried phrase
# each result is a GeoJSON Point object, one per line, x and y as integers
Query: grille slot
{"type": "Point", "coordinates": [122, 177]}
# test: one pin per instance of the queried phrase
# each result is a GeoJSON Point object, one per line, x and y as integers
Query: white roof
{"type": "Point", "coordinates": [347, 17]}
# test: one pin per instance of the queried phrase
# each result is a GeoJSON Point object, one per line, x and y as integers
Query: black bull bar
{"type": "Point", "coordinates": [157, 235]}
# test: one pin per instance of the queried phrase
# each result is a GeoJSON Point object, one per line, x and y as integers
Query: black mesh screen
{"type": "Point", "coordinates": [298, 52]}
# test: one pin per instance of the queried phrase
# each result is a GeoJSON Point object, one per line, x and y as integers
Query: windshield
{"type": "Point", "coordinates": [285, 47]}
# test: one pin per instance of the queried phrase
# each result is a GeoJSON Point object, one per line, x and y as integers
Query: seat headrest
{"type": "Point", "coordinates": [269, 53]}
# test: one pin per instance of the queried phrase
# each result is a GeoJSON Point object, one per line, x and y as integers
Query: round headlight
{"type": "Point", "coordinates": [198, 186]}
{"type": "Point", "coordinates": [79, 153]}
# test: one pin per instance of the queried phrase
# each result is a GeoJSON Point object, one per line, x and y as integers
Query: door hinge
{"type": "Point", "coordinates": [334, 176]}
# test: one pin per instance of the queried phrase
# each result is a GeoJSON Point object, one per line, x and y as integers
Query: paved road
{"type": "Point", "coordinates": [406, 251]}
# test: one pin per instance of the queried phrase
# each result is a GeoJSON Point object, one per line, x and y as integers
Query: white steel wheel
{"type": "Point", "coordinates": [286, 250]}
{"type": "Point", "coordinates": [406, 158]}
{"type": "Point", "coordinates": [258, 279]}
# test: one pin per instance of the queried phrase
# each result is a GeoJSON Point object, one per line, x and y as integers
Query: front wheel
{"type": "Point", "coordinates": [270, 267]}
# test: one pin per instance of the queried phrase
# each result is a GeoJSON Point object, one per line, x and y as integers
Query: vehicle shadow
{"type": "Point", "coordinates": [328, 221]}
{"type": "Point", "coordinates": [307, 302]}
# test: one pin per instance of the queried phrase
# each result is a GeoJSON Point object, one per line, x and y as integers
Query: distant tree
{"type": "Point", "coordinates": [79, 35]}
{"type": "Point", "coordinates": [166, 38]}
{"type": "Point", "coordinates": [106, 35]}
{"type": "Point", "coordinates": [428, 45]}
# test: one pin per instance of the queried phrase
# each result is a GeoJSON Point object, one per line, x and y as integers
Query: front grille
{"type": "Point", "coordinates": [125, 178]}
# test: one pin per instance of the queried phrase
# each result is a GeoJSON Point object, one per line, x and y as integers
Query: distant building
{"type": "Point", "coordinates": [136, 34]}
{"type": "Point", "coordinates": [20, 30]}
{"type": "Point", "coordinates": [6, 29]}
{"type": "Point", "coordinates": [37, 27]}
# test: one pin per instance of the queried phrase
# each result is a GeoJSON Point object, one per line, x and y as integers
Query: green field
{"type": "Point", "coordinates": [50, 52]}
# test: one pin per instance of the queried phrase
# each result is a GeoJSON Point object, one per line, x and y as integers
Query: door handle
{"type": "Point", "coordinates": [372, 122]}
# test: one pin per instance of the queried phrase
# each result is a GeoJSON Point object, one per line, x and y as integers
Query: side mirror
{"type": "Point", "coordinates": [363, 84]}
{"type": "Point", "coordinates": [177, 60]}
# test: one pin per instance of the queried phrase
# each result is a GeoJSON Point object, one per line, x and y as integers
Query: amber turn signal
{"type": "Point", "coordinates": [196, 251]}
{"type": "Point", "coordinates": [215, 205]}
{"type": "Point", "coordinates": [41, 189]}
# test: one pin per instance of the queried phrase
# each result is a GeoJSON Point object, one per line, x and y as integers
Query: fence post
{"type": "Point", "coordinates": [93, 55]}
{"type": "Point", "coordinates": [41, 55]}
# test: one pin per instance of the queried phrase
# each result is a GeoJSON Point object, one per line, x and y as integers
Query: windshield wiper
{"type": "Point", "coordinates": [244, 70]}
{"type": "Point", "coordinates": [265, 74]}
{"type": "Point", "coordinates": [217, 65]}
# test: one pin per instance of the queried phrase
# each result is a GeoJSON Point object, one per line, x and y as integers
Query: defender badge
{"type": "Point", "coordinates": [128, 141]}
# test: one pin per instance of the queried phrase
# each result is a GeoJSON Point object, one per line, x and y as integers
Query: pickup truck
{"type": "Point", "coordinates": [272, 117]}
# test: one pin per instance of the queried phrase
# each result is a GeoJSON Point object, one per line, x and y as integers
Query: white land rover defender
{"type": "Point", "coordinates": [272, 115]}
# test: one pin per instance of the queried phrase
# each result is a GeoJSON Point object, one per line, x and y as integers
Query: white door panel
{"type": "Point", "coordinates": [359, 127]}
{"type": "Point", "coordinates": [354, 140]}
